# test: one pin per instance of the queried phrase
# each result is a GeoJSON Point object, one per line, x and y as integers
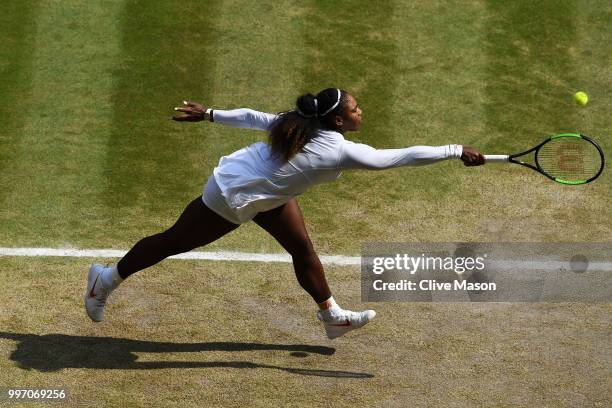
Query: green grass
{"type": "Point", "coordinates": [227, 334]}
{"type": "Point", "coordinates": [90, 158]}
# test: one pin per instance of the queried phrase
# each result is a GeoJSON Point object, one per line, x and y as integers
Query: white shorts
{"type": "Point", "coordinates": [214, 200]}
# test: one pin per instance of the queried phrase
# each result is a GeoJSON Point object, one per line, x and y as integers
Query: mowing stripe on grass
{"type": "Point", "coordinates": [207, 52]}
{"type": "Point", "coordinates": [166, 56]}
{"type": "Point", "coordinates": [531, 75]}
{"type": "Point", "coordinates": [17, 36]}
{"type": "Point", "coordinates": [60, 150]}
{"type": "Point", "coordinates": [258, 61]}
{"type": "Point", "coordinates": [342, 260]}
{"type": "Point", "coordinates": [440, 65]}
{"type": "Point", "coordinates": [357, 51]}
{"type": "Point", "coordinates": [354, 49]}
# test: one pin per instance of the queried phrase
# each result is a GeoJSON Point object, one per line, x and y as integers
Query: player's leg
{"type": "Point", "coordinates": [286, 225]}
{"type": "Point", "coordinates": [197, 226]}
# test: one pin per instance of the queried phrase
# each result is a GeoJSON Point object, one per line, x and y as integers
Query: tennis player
{"type": "Point", "coordinates": [260, 182]}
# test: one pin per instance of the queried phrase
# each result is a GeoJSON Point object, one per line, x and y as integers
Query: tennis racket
{"type": "Point", "coordinates": [567, 158]}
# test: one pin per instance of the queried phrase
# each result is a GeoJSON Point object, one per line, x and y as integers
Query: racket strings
{"type": "Point", "coordinates": [570, 159]}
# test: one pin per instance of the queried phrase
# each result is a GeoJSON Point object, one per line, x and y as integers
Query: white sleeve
{"type": "Point", "coordinates": [361, 156]}
{"type": "Point", "coordinates": [244, 118]}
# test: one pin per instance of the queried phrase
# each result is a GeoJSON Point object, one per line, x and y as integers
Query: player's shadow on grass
{"type": "Point", "coordinates": [53, 352]}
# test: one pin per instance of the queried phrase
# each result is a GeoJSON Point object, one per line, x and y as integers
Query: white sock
{"type": "Point", "coordinates": [334, 309]}
{"type": "Point", "coordinates": [111, 278]}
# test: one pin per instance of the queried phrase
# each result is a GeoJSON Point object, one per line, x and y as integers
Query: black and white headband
{"type": "Point", "coordinates": [316, 104]}
{"type": "Point", "coordinates": [333, 106]}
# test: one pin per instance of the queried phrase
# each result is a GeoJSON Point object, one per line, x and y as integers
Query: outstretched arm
{"type": "Point", "coordinates": [361, 156]}
{"type": "Point", "coordinates": [240, 118]}
{"type": "Point", "coordinates": [244, 118]}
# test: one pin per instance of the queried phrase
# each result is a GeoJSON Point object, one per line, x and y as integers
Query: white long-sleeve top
{"type": "Point", "coordinates": [252, 180]}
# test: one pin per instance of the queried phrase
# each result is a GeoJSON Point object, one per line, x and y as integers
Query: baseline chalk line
{"type": "Point", "coordinates": [211, 256]}
{"type": "Point", "coordinates": [342, 260]}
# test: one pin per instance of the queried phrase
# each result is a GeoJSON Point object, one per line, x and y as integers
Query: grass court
{"type": "Point", "coordinates": [89, 158]}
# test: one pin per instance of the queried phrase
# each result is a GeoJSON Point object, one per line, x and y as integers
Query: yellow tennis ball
{"type": "Point", "coordinates": [581, 98]}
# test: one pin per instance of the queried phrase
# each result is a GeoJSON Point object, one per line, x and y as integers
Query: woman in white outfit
{"type": "Point", "coordinates": [306, 146]}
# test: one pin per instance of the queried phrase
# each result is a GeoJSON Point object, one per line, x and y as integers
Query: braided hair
{"type": "Point", "coordinates": [294, 128]}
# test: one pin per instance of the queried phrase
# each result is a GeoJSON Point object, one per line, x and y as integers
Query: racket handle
{"type": "Point", "coordinates": [496, 157]}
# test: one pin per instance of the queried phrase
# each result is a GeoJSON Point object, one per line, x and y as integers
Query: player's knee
{"type": "Point", "coordinates": [177, 244]}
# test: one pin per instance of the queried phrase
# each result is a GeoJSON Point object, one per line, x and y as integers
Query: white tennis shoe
{"type": "Point", "coordinates": [96, 294]}
{"type": "Point", "coordinates": [343, 321]}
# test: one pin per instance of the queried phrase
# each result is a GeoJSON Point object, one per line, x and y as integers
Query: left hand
{"type": "Point", "coordinates": [472, 157]}
{"type": "Point", "coordinates": [194, 112]}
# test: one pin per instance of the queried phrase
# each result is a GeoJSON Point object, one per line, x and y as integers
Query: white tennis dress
{"type": "Point", "coordinates": [251, 180]}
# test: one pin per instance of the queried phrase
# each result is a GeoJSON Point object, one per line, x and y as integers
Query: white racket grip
{"type": "Point", "coordinates": [493, 158]}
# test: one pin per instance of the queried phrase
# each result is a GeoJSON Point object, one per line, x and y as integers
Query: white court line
{"type": "Point", "coordinates": [213, 256]}
{"type": "Point", "coordinates": [283, 258]}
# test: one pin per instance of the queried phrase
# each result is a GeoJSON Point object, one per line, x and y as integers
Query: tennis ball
{"type": "Point", "coordinates": [581, 98]}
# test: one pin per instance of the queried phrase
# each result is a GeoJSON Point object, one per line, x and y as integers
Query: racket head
{"type": "Point", "coordinates": [570, 158]}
